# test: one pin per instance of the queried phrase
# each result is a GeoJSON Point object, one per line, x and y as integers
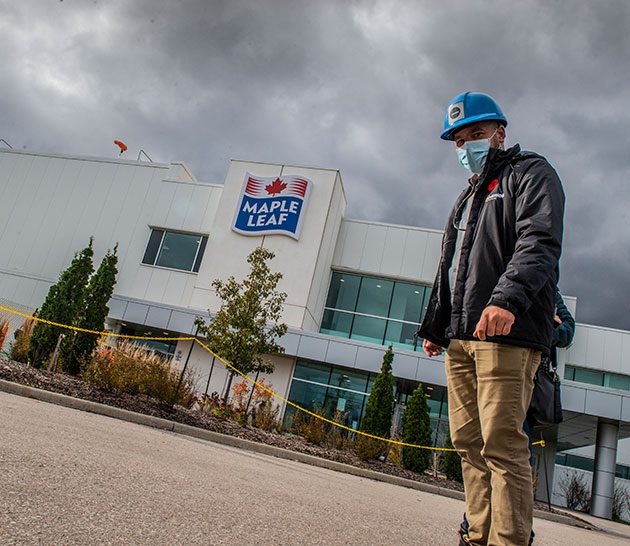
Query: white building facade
{"type": "Point", "coordinates": [354, 287]}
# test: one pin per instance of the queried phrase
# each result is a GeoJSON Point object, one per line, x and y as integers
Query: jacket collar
{"type": "Point", "coordinates": [497, 159]}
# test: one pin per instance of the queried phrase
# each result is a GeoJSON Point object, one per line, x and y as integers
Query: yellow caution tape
{"type": "Point", "coordinates": [388, 440]}
{"type": "Point", "coordinates": [263, 387]}
{"type": "Point", "coordinates": [77, 329]}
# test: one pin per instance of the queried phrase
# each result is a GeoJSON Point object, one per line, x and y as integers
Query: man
{"type": "Point", "coordinates": [492, 306]}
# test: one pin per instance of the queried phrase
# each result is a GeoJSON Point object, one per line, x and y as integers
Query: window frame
{"type": "Point", "coordinates": [354, 313]}
{"type": "Point", "coordinates": [202, 243]}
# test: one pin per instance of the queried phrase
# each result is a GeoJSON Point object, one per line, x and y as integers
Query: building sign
{"type": "Point", "coordinates": [272, 205]}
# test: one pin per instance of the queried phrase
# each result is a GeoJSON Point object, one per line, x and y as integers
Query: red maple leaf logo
{"type": "Point", "coordinates": [276, 187]}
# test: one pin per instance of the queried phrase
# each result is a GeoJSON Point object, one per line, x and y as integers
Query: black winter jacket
{"type": "Point", "coordinates": [509, 253]}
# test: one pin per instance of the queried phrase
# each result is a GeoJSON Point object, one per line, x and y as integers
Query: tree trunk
{"type": "Point", "coordinates": [52, 364]}
{"type": "Point", "coordinates": [227, 389]}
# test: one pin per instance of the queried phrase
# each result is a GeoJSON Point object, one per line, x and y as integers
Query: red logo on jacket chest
{"type": "Point", "coordinates": [493, 184]}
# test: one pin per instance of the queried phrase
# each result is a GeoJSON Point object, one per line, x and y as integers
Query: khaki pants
{"type": "Point", "coordinates": [489, 389]}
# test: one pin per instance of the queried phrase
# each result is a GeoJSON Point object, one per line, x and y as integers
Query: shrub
{"type": "Point", "coordinates": [369, 448]}
{"type": "Point", "coordinates": [133, 369]}
{"type": "Point", "coordinates": [265, 416]}
{"type": "Point", "coordinates": [62, 304]}
{"type": "Point", "coordinates": [312, 428]}
{"type": "Point", "coordinates": [264, 413]}
{"type": "Point", "coordinates": [394, 455]}
{"type": "Point", "coordinates": [337, 438]}
{"type": "Point", "coordinates": [452, 462]}
{"type": "Point", "coordinates": [378, 412]}
{"type": "Point", "coordinates": [217, 406]}
{"type": "Point", "coordinates": [4, 328]}
{"type": "Point", "coordinates": [417, 430]}
{"type": "Point", "coordinates": [20, 346]}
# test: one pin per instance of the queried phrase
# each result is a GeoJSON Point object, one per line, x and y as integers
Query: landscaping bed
{"type": "Point", "coordinates": [79, 388]}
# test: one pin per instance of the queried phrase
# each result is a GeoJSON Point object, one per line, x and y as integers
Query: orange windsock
{"type": "Point", "coordinates": [121, 145]}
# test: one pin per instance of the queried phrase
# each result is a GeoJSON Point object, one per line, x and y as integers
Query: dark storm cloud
{"type": "Point", "coordinates": [360, 86]}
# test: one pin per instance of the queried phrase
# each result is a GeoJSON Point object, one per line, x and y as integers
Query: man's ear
{"type": "Point", "coordinates": [501, 135]}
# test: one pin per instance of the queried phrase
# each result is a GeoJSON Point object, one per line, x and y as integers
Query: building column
{"type": "Point", "coordinates": [546, 465]}
{"type": "Point", "coordinates": [603, 487]}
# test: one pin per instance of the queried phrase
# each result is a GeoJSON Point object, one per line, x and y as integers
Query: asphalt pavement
{"type": "Point", "coordinates": [72, 477]}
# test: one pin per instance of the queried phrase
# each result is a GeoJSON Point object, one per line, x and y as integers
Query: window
{"type": "Point", "coordinates": [343, 293]}
{"type": "Point", "coordinates": [374, 297]}
{"type": "Point", "coordinates": [165, 348]}
{"type": "Point", "coordinates": [617, 381]}
{"type": "Point", "coordinates": [594, 377]}
{"type": "Point", "coordinates": [175, 250]}
{"type": "Point", "coordinates": [374, 310]}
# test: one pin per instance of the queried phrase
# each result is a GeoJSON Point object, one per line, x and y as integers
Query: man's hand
{"type": "Point", "coordinates": [431, 349]}
{"type": "Point", "coordinates": [494, 321]}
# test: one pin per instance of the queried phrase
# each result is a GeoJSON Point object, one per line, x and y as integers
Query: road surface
{"type": "Point", "coordinates": [70, 477]}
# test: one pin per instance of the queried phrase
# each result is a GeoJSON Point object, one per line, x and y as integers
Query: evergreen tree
{"type": "Point", "coordinates": [62, 304]}
{"type": "Point", "coordinates": [77, 347]}
{"type": "Point", "coordinates": [452, 464]}
{"type": "Point", "coordinates": [416, 430]}
{"type": "Point", "coordinates": [247, 324]}
{"type": "Point", "coordinates": [379, 410]}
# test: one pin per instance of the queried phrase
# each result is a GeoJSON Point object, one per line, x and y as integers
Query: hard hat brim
{"type": "Point", "coordinates": [447, 134]}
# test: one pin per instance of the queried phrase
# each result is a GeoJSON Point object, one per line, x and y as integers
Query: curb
{"type": "Point", "coordinates": [265, 449]}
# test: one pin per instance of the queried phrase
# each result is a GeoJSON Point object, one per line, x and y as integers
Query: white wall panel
{"type": "Point", "coordinates": [156, 287]}
{"type": "Point", "coordinates": [373, 249]}
{"type": "Point", "coordinates": [431, 257]}
{"type": "Point", "coordinates": [38, 195]}
{"type": "Point", "coordinates": [613, 345]}
{"type": "Point", "coordinates": [13, 208]}
{"type": "Point", "coordinates": [576, 354]}
{"type": "Point", "coordinates": [415, 249]}
{"type": "Point", "coordinates": [353, 243]}
{"type": "Point", "coordinates": [595, 348]}
{"type": "Point", "coordinates": [322, 273]}
{"type": "Point", "coordinates": [179, 206]}
{"type": "Point", "coordinates": [394, 252]}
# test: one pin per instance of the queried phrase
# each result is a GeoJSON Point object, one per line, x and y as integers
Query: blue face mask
{"type": "Point", "coordinates": [473, 154]}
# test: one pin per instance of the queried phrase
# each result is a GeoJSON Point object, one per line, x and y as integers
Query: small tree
{"type": "Point", "coordinates": [247, 324]}
{"type": "Point", "coordinates": [575, 490]}
{"type": "Point", "coordinates": [379, 410]}
{"type": "Point", "coordinates": [416, 430]}
{"type": "Point", "coordinates": [77, 347]}
{"type": "Point", "coordinates": [621, 502]}
{"type": "Point", "coordinates": [62, 305]}
{"type": "Point", "coordinates": [452, 462]}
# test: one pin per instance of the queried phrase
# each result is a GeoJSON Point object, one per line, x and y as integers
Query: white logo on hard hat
{"type": "Point", "coordinates": [455, 112]}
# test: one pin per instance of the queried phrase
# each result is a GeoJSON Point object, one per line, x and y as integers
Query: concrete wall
{"type": "Point", "coordinates": [52, 204]}
{"type": "Point", "coordinates": [401, 252]}
{"type": "Point", "coordinates": [600, 348]}
{"type": "Point", "coordinates": [304, 263]}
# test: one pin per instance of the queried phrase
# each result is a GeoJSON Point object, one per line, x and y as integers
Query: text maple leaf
{"type": "Point", "coordinates": [275, 187]}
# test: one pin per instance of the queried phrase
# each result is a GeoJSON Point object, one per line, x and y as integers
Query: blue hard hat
{"type": "Point", "coordinates": [470, 108]}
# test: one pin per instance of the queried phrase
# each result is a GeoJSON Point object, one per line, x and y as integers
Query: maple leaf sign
{"type": "Point", "coordinates": [275, 187]}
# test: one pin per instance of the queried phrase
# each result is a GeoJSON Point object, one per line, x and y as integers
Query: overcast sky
{"type": "Point", "coordinates": [358, 86]}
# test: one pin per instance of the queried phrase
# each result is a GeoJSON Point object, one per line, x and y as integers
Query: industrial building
{"type": "Point", "coordinates": [354, 286]}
